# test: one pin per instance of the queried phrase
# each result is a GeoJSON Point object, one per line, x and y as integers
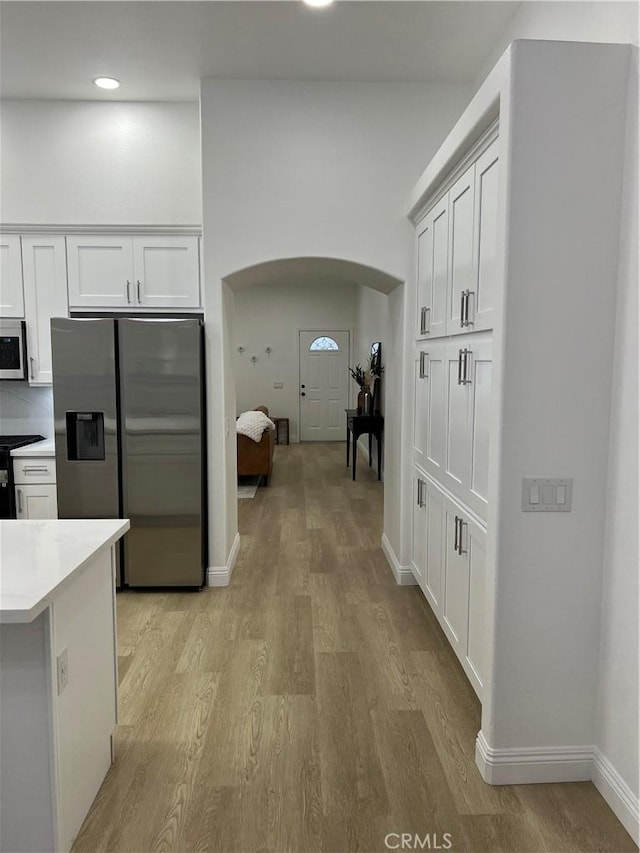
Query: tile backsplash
{"type": "Point", "coordinates": [25, 410]}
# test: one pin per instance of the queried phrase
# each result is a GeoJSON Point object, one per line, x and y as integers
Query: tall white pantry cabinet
{"type": "Point", "coordinates": [510, 326]}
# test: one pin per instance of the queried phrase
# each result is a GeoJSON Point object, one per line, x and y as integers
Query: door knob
{"type": "Point", "coordinates": [303, 386]}
{"type": "Point", "coordinates": [302, 394]}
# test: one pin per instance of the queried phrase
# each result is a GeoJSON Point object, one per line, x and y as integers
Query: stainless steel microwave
{"type": "Point", "coordinates": [13, 350]}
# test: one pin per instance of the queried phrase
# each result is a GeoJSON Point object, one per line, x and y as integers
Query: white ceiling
{"type": "Point", "coordinates": [160, 50]}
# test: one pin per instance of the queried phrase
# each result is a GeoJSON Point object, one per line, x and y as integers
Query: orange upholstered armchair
{"type": "Point", "coordinates": [256, 458]}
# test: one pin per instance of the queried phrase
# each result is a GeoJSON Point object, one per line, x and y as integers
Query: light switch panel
{"type": "Point", "coordinates": [546, 494]}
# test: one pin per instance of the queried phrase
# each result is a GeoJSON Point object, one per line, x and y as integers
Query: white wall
{"type": "Point", "coordinates": [617, 729]}
{"type": "Point", "coordinates": [88, 162]}
{"type": "Point", "coordinates": [304, 170]}
{"type": "Point", "coordinates": [271, 315]}
{"type": "Point", "coordinates": [568, 21]}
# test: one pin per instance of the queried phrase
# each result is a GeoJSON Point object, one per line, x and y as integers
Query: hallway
{"type": "Point", "coordinates": [312, 705]}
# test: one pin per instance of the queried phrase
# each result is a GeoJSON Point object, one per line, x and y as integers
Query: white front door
{"type": "Point", "coordinates": [324, 385]}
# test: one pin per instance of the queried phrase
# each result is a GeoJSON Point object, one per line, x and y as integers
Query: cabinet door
{"type": "Point", "coordinates": [435, 519]}
{"type": "Point", "coordinates": [424, 278]}
{"type": "Point", "coordinates": [100, 272]}
{"type": "Point", "coordinates": [419, 528]}
{"type": "Point", "coordinates": [479, 370]}
{"type": "Point", "coordinates": [11, 293]}
{"type": "Point", "coordinates": [433, 265]}
{"type": "Point", "coordinates": [435, 367]}
{"type": "Point", "coordinates": [45, 295]}
{"type": "Point", "coordinates": [166, 272]}
{"type": "Point", "coordinates": [420, 396]}
{"type": "Point", "coordinates": [36, 501]}
{"type": "Point", "coordinates": [474, 542]}
{"type": "Point", "coordinates": [482, 301]}
{"type": "Point", "coordinates": [455, 599]}
{"type": "Point", "coordinates": [461, 258]}
{"type": "Point", "coordinates": [456, 418]}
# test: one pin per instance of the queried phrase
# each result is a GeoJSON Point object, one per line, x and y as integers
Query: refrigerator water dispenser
{"type": "Point", "coordinates": [85, 436]}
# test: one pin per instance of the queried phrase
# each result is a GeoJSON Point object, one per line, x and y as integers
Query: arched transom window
{"type": "Point", "coordinates": [323, 344]}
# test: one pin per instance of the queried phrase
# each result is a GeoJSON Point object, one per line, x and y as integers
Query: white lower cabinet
{"type": "Point", "coordinates": [448, 548]}
{"type": "Point", "coordinates": [35, 479]}
{"type": "Point", "coordinates": [36, 500]}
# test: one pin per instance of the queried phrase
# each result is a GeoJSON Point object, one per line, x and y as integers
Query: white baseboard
{"type": "Point", "coordinates": [618, 795]}
{"type": "Point", "coordinates": [402, 574]}
{"type": "Point", "coordinates": [221, 575]}
{"type": "Point", "coordinates": [532, 765]}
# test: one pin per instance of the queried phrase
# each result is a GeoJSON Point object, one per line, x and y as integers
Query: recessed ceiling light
{"type": "Point", "coordinates": [106, 82]}
{"type": "Point", "coordinates": [318, 4]}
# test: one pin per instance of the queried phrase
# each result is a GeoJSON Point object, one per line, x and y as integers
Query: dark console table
{"type": "Point", "coordinates": [358, 425]}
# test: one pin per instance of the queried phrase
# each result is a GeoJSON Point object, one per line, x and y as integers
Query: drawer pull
{"type": "Point", "coordinates": [19, 494]}
{"type": "Point", "coordinates": [35, 469]}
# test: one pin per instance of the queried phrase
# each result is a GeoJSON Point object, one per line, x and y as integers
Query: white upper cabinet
{"type": "Point", "coordinates": [482, 300]}
{"type": "Point", "coordinates": [11, 292]}
{"type": "Point", "coordinates": [166, 272]}
{"type": "Point", "coordinates": [100, 272]}
{"type": "Point", "coordinates": [45, 295]}
{"type": "Point", "coordinates": [456, 254]}
{"type": "Point", "coordinates": [133, 272]}
{"type": "Point", "coordinates": [433, 265]}
{"type": "Point", "coordinates": [461, 261]}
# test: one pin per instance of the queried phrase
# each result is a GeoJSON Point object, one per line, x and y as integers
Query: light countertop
{"type": "Point", "coordinates": [38, 448]}
{"type": "Point", "coordinates": [39, 558]}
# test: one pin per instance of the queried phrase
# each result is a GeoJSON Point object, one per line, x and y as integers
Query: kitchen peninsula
{"type": "Point", "coordinates": [58, 676]}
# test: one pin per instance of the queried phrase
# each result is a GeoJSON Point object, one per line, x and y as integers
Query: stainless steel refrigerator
{"type": "Point", "coordinates": [130, 439]}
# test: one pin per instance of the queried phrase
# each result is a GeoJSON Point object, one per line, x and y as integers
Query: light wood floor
{"type": "Point", "coordinates": [312, 705]}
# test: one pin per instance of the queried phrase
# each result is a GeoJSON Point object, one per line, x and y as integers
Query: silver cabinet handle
{"type": "Point", "coordinates": [128, 292]}
{"type": "Point", "coordinates": [35, 469]}
{"type": "Point", "coordinates": [32, 361]}
{"type": "Point", "coordinates": [424, 311]}
{"type": "Point", "coordinates": [462, 301]}
{"type": "Point", "coordinates": [461, 550]}
{"type": "Point", "coordinates": [463, 367]}
{"type": "Point", "coordinates": [138, 291]}
{"type": "Point", "coordinates": [421, 485]}
{"type": "Point", "coordinates": [19, 494]}
{"type": "Point", "coordinates": [424, 365]}
{"type": "Point", "coordinates": [467, 296]}
{"type": "Point", "coordinates": [457, 536]}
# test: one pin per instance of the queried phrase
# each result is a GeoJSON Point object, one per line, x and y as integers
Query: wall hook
{"type": "Point", "coordinates": [268, 350]}
{"type": "Point", "coordinates": [240, 350]}
{"type": "Point", "coordinates": [253, 359]}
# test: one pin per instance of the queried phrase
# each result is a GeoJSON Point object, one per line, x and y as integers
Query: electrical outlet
{"type": "Point", "coordinates": [62, 665]}
{"type": "Point", "coordinates": [278, 384]}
